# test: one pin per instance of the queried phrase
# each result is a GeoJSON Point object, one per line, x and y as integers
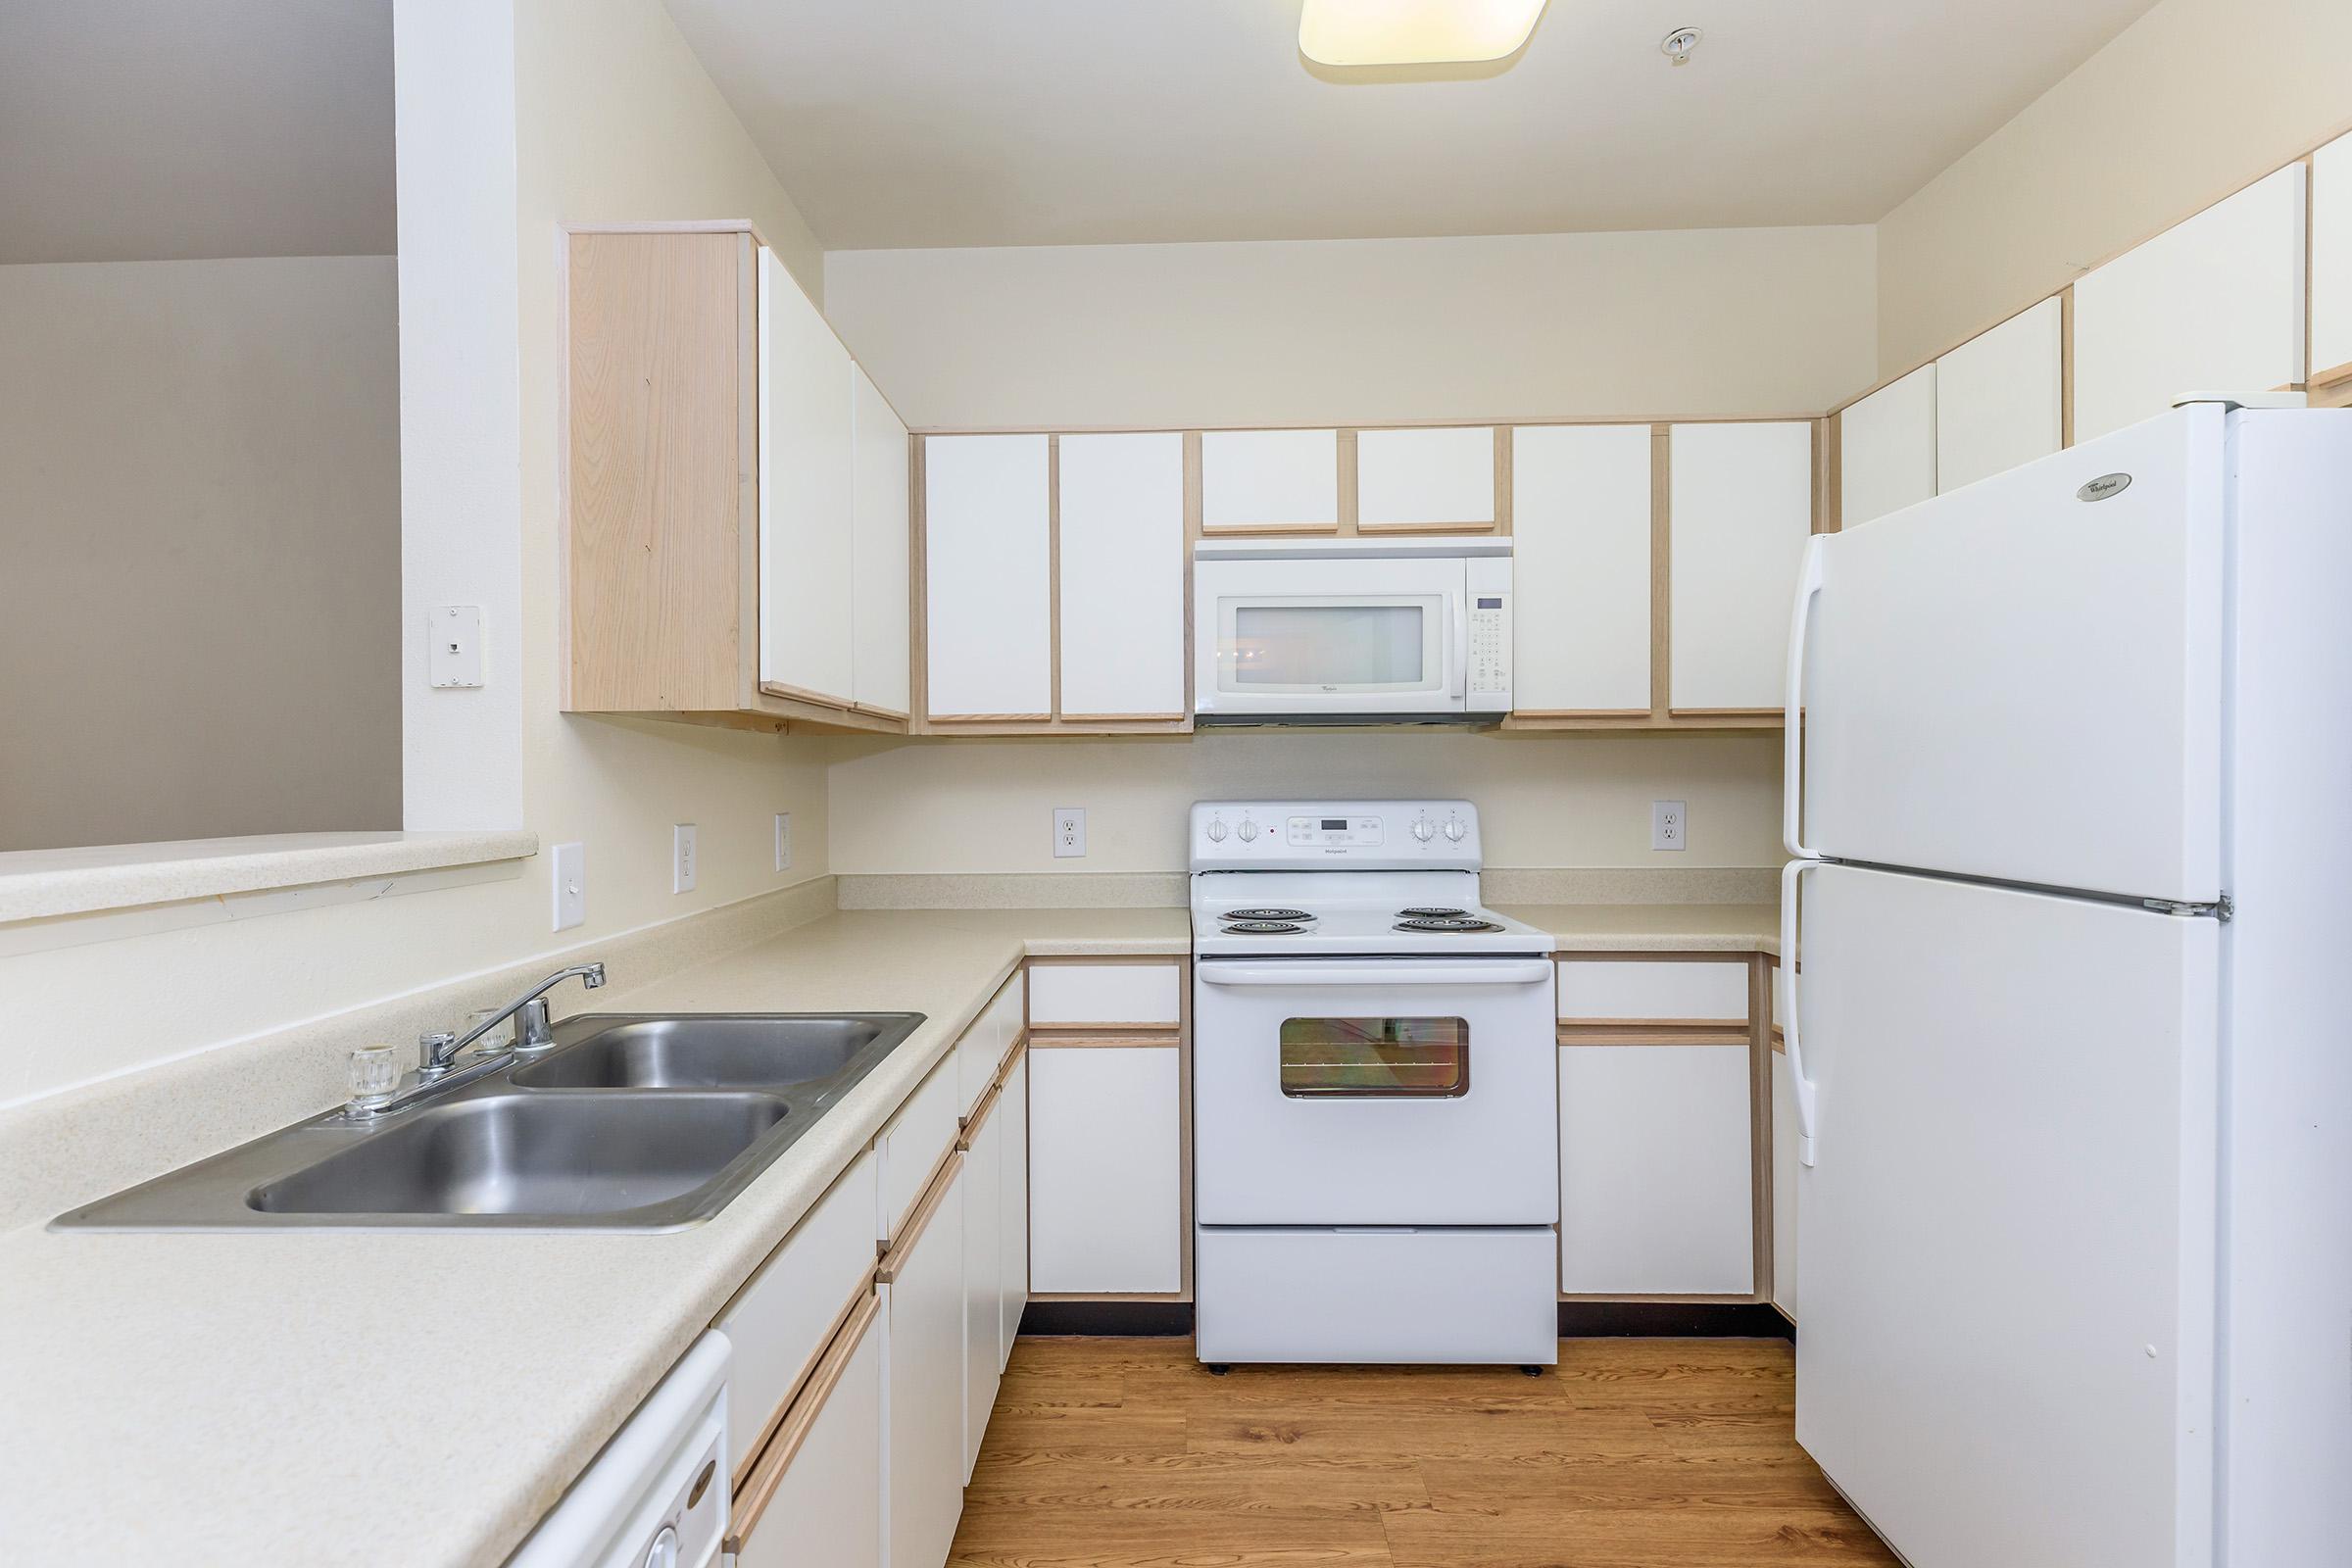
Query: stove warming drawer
{"type": "Point", "coordinates": [1377, 1295]}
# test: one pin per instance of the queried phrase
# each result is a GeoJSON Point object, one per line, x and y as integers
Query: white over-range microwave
{"type": "Point", "coordinates": [1351, 631]}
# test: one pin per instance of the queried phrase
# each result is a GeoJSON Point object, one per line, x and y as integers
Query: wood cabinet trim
{"type": "Point", "coordinates": [765, 1476]}
{"type": "Point", "coordinates": [910, 1236]}
{"type": "Point", "coordinates": [756, 1452]}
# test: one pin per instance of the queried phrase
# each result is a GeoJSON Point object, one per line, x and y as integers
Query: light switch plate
{"type": "Point", "coordinates": [783, 841]}
{"type": "Point", "coordinates": [682, 858]}
{"type": "Point", "coordinates": [571, 867]}
{"type": "Point", "coordinates": [453, 640]}
{"type": "Point", "coordinates": [1669, 824]}
{"type": "Point", "coordinates": [1069, 832]}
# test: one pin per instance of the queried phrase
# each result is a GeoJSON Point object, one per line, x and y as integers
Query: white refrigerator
{"type": "Point", "coordinates": [2070, 1017]}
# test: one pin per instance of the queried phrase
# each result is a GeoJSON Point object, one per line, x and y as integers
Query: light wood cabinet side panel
{"type": "Point", "coordinates": [653, 364]}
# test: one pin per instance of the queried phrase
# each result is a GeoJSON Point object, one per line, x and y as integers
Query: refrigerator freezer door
{"type": "Point", "coordinates": [2022, 680]}
{"type": "Point", "coordinates": [2006, 1276]}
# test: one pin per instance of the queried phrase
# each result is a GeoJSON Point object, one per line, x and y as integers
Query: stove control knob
{"type": "Point", "coordinates": [1424, 829]}
{"type": "Point", "coordinates": [1247, 830]}
{"type": "Point", "coordinates": [1455, 828]}
{"type": "Point", "coordinates": [1215, 831]}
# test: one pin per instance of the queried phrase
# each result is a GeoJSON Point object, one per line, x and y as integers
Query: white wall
{"type": "Point", "coordinates": [1543, 800]}
{"type": "Point", "coordinates": [2192, 101]}
{"type": "Point", "coordinates": [618, 122]}
{"type": "Point", "coordinates": [1688, 323]}
{"type": "Point", "coordinates": [199, 548]}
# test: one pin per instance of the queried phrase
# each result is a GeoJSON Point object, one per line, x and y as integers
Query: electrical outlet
{"type": "Point", "coordinates": [783, 841]}
{"type": "Point", "coordinates": [682, 858]}
{"type": "Point", "coordinates": [570, 866]}
{"type": "Point", "coordinates": [1069, 831]}
{"type": "Point", "coordinates": [1669, 824]}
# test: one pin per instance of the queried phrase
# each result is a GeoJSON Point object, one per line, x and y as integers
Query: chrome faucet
{"type": "Point", "coordinates": [437, 1053]}
{"type": "Point", "coordinates": [437, 1070]}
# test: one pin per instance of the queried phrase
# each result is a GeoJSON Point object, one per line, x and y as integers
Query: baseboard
{"type": "Point", "coordinates": [1110, 1319]}
{"type": "Point", "coordinates": [1713, 1320]}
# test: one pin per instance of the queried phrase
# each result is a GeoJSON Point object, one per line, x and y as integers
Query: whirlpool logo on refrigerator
{"type": "Point", "coordinates": [2104, 486]}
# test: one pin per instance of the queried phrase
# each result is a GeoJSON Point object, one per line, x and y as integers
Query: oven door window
{"type": "Point", "coordinates": [1387, 1059]}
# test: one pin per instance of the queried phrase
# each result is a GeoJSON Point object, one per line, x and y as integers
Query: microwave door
{"type": "Point", "coordinates": [1370, 637]}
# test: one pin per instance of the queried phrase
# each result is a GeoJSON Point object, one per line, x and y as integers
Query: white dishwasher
{"type": "Point", "coordinates": [656, 1496]}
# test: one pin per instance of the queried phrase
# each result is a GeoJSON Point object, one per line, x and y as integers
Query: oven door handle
{"type": "Point", "coordinates": [1525, 971]}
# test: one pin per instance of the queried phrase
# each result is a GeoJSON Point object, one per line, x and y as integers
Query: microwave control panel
{"type": "Point", "coordinates": [1490, 650]}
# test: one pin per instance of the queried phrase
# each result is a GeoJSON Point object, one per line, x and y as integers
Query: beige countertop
{"type": "Point", "coordinates": [420, 1399]}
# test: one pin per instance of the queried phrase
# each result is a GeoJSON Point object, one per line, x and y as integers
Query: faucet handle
{"type": "Point", "coordinates": [374, 1073]}
{"type": "Point", "coordinates": [532, 1029]}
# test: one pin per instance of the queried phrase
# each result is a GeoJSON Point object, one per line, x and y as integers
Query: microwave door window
{"type": "Point", "coordinates": [1321, 647]}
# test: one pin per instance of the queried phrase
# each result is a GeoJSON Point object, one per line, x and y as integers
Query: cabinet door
{"type": "Point", "coordinates": [988, 574]}
{"type": "Point", "coordinates": [983, 1285]}
{"type": "Point", "coordinates": [879, 645]}
{"type": "Point", "coordinates": [1887, 449]}
{"type": "Point", "coordinates": [1105, 1203]}
{"type": "Point", "coordinates": [827, 1508]}
{"type": "Point", "coordinates": [923, 1383]}
{"type": "Point", "coordinates": [1999, 399]}
{"type": "Point", "coordinates": [1783, 1187]}
{"type": "Point", "coordinates": [1580, 541]}
{"type": "Point", "coordinates": [2214, 303]}
{"type": "Point", "coordinates": [1741, 512]}
{"type": "Point", "coordinates": [1013, 1109]}
{"type": "Point", "coordinates": [1269, 479]}
{"type": "Point", "coordinates": [1122, 576]}
{"type": "Point", "coordinates": [805, 484]}
{"type": "Point", "coordinates": [2332, 260]}
{"type": "Point", "coordinates": [1441, 478]}
{"type": "Point", "coordinates": [1655, 1184]}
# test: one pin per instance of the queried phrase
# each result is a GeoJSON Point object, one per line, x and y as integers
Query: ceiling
{"type": "Point", "coordinates": [165, 129]}
{"type": "Point", "coordinates": [896, 123]}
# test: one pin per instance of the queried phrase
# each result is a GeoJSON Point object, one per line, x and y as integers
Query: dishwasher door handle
{"type": "Point", "coordinates": [1518, 972]}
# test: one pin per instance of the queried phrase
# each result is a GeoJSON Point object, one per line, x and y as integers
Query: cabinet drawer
{"type": "Point", "coordinates": [912, 1145]}
{"type": "Point", "coordinates": [778, 1322]}
{"type": "Point", "coordinates": [1610, 991]}
{"type": "Point", "coordinates": [985, 1044]}
{"type": "Point", "coordinates": [1123, 994]}
{"type": "Point", "coordinates": [819, 1493]}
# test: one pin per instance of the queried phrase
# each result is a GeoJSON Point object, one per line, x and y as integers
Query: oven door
{"type": "Point", "coordinates": [1375, 1091]}
{"type": "Point", "coordinates": [1329, 636]}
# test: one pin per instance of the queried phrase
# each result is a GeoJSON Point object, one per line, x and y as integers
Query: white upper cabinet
{"type": "Point", "coordinates": [1999, 399]}
{"type": "Point", "coordinates": [2214, 303]}
{"type": "Point", "coordinates": [1442, 478]}
{"type": "Point", "coordinates": [1122, 576]}
{"type": "Point", "coordinates": [1887, 449]}
{"type": "Point", "coordinates": [1740, 511]}
{"type": "Point", "coordinates": [2331, 258]}
{"type": "Point", "coordinates": [1252, 479]}
{"type": "Point", "coordinates": [878, 612]}
{"type": "Point", "coordinates": [1581, 542]}
{"type": "Point", "coordinates": [988, 576]}
{"type": "Point", "coordinates": [805, 495]}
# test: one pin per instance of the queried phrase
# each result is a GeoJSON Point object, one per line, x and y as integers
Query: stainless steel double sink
{"type": "Point", "coordinates": [628, 1122]}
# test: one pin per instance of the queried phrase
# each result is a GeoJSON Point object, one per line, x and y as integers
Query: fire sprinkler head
{"type": "Point", "coordinates": [1678, 45]}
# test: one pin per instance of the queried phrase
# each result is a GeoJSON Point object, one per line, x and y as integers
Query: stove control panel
{"type": "Point", "coordinates": [1354, 835]}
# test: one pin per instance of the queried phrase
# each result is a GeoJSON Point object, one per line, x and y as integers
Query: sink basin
{"type": "Point", "coordinates": [712, 1050]}
{"type": "Point", "coordinates": [550, 1156]}
{"type": "Point", "coordinates": [629, 1122]}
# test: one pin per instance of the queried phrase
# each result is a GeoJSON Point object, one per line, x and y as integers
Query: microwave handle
{"type": "Point", "coordinates": [1457, 646]}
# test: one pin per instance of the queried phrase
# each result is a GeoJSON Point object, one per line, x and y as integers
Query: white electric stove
{"type": "Point", "coordinates": [1376, 1160]}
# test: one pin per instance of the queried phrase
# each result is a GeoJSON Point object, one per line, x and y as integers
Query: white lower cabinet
{"type": "Point", "coordinates": [824, 1510]}
{"type": "Point", "coordinates": [1657, 1190]}
{"type": "Point", "coordinates": [1012, 1278]}
{"type": "Point", "coordinates": [922, 1416]}
{"type": "Point", "coordinates": [1105, 1195]}
{"type": "Point", "coordinates": [1783, 1187]}
{"type": "Point", "coordinates": [983, 1263]}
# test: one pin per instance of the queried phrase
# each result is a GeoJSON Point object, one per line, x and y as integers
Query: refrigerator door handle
{"type": "Point", "coordinates": [1792, 735]}
{"type": "Point", "coordinates": [1800, 1087]}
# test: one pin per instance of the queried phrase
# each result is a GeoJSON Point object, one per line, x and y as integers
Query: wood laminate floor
{"type": "Point", "coordinates": [1631, 1453]}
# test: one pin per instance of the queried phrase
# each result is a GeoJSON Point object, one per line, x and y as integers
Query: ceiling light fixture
{"type": "Point", "coordinates": [1414, 33]}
